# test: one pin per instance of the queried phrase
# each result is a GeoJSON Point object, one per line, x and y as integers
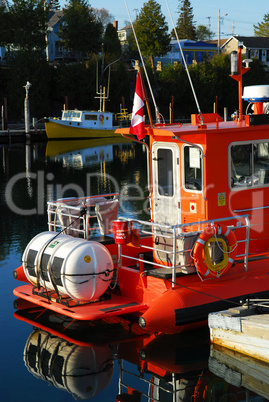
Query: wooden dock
{"type": "Point", "coordinates": [239, 370]}
{"type": "Point", "coordinates": [11, 136]}
{"type": "Point", "coordinates": [241, 329]}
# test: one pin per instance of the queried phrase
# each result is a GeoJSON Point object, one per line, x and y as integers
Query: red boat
{"type": "Point", "coordinates": [204, 249]}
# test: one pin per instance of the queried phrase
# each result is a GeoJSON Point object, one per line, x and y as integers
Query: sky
{"type": "Point", "coordinates": [240, 18]}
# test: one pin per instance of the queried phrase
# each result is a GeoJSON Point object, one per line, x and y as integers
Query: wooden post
{"type": "Point", "coordinates": [4, 115]}
{"type": "Point", "coordinates": [35, 124]}
{"type": "Point", "coordinates": [66, 106]}
{"type": "Point", "coordinates": [225, 114]}
{"type": "Point", "coordinates": [26, 108]}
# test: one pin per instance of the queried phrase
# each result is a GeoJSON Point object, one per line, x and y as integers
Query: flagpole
{"type": "Point", "coordinates": [142, 61]}
{"type": "Point", "coordinates": [146, 99]}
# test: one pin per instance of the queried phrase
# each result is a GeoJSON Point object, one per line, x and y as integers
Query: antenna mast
{"type": "Point", "coordinates": [144, 67]}
{"type": "Point", "coordinates": [186, 67]}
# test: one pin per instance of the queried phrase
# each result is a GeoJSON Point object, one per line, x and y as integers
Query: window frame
{"type": "Point", "coordinates": [159, 187]}
{"type": "Point", "coordinates": [252, 166]}
{"type": "Point", "coordinates": [197, 146]}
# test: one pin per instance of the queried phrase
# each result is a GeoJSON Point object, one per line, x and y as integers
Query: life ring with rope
{"type": "Point", "coordinates": [227, 245]}
{"type": "Point", "coordinates": [101, 118]}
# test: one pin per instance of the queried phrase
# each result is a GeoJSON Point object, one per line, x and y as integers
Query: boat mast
{"type": "Point", "coordinates": [186, 67]}
{"type": "Point", "coordinates": [237, 72]}
{"type": "Point", "coordinates": [102, 91]}
{"type": "Point", "coordinates": [158, 116]}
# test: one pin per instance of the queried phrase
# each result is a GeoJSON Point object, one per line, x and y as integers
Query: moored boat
{"type": "Point", "coordinates": [81, 124]}
{"type": "Point", "coordinates": [204, 248]}
{"type": "Point", "coordinates": [75, 124]}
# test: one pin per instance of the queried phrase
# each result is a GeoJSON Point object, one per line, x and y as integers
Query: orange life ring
{"type": "Point", "coordinates": [101, 117]}
{"type": "Point", "coordinates": [202, 260]}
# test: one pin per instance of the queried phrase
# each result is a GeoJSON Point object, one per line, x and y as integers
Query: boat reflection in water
{"type": "Point", "coordinates": [82, 371]}
{"type": "Point", "coordinates": [81, 357]}
{"type": "Point", "coordinates": [55, 148]}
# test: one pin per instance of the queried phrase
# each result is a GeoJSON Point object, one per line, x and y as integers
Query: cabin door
{"type": "Point", "coordinates": [166, 185]}
{"type": "Point", "coordinates": [165, 192]}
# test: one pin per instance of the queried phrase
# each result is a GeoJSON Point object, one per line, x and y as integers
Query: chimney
{"type": "Point", "coordinates": [116, 25]}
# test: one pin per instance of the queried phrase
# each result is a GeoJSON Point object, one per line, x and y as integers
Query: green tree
{"type": "Point", "coordinates": [203, 33]}
{"type": "Point", "coordinates": [262, 28]}
{"type": "Point", "coordinates": [185, 26]}
{"type": "Point", "coordinates": [4, 24]}
{"type": "Point", "coordinates": [152, 31]}
{"type": "Point", "coordinates": [27, 27]}
{"type": "Point", "coordinates": [112, 46]}
{"type": "Point", "coordinates": [80, 29]}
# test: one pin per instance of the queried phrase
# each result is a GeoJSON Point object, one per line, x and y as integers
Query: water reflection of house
{"type": "Point", "coordinates": [87, 157]}
{"type": "Point", "coordinates": [78, 159]}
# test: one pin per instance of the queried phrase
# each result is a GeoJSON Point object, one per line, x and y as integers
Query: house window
{"type": "Point", "coordinates": [254, 53]}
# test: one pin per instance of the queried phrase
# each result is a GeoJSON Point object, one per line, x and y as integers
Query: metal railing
{"type": "Point", "coordinates": [82, 216]}
{"type": "Point", "coordinates": [171, 245]}
{"type": "Point", "coordinates": [174, 233]}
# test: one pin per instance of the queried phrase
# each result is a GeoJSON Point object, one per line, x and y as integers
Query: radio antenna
{"type": "Point", "coordinates": [185, 64]}
{"type": "Point", "coordinates": [144, 67]}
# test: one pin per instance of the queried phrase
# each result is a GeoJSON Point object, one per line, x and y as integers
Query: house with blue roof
{"type": "Point", "coordinates": [193, 51]}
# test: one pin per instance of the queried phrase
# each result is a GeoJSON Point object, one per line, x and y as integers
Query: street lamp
{"type": "Point", "coordinates": [219, 30]}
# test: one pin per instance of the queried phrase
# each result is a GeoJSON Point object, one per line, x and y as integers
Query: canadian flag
{"type": "Point", "coordinates": [137, 123]}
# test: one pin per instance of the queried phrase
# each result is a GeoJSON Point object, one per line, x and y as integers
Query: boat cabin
{"type": "Point", "coordinates": [88, 119]}
{"type": "Point", "coordinates": [217, 170]}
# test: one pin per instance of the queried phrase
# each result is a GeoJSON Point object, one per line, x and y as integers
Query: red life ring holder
{"type": "Point", "coordinates": [202, 260]}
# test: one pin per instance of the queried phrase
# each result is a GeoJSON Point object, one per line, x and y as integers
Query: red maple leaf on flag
{"type": "Point", "coordinates": [137, 122]}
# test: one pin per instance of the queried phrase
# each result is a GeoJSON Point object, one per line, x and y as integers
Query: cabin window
{"type": "Point", "coordinates": [192, 168]}
{"type": "Point", "coordinates": [249, 164]}
{"type": "Point", "coordinates": [165, 172]}
{"type": "Point", "coordinates": [71, 114]}
{"type": "Point", "coordinates": [90, 117]}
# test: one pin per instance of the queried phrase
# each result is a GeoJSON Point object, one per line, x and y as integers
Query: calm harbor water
{"type": "Point", "coordinates": [43, 357]}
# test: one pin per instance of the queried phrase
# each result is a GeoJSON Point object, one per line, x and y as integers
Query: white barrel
{"type": "Point", "coordinates": [79, 268]}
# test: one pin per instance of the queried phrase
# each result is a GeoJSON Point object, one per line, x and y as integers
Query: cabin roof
{"type": "Point", "coordinates": [241, 130]}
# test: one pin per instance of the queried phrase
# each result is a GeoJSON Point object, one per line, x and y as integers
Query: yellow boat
{"type": "Point", "coordinates": [81, 124]}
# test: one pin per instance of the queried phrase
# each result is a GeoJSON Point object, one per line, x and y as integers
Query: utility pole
{"type": "Point", "coordinates": [233, 28]}
{"type": "Point", "coordinates": [209, 26]}
{"type": "Point", "coordinates": [219, 17]}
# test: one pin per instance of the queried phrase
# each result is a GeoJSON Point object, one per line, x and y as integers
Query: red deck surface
{"type": "Point", "coordinates": [115, 306]}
